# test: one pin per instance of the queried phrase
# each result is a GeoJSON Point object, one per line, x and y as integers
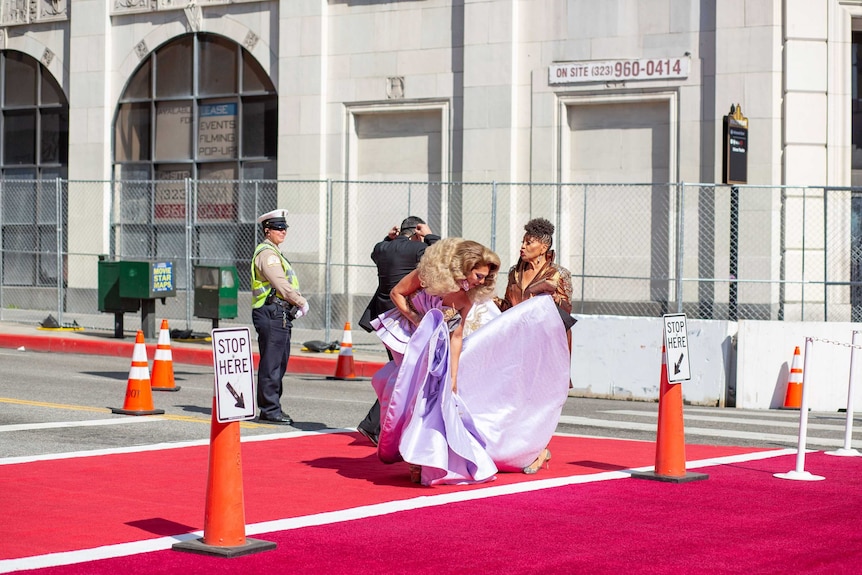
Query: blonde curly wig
{"type": "Point", "coordinates": [448, 261]}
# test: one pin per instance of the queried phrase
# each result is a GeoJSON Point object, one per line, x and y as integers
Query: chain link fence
{"type": "Point", "coordinates": [711, 251]}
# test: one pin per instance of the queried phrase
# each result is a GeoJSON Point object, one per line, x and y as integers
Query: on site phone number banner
{"type": "Point", "coordinates": [619, 70]}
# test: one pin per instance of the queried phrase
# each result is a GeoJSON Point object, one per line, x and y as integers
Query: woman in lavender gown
{"type": "Point", "coordinates": [470, 392]}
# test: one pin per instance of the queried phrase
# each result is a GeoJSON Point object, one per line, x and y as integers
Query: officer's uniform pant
{"type": "Point", "coordinates": [273, 338]}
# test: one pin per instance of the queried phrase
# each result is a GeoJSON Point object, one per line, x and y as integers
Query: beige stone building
{"type": "Point", "coordinates": [526, 91]}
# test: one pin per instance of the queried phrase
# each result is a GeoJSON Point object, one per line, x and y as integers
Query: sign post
{"type": "Point", "coordinates": [735, 171]}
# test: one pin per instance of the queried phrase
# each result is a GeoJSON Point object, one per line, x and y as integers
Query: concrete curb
{"type": "Point", "coordinates": [180, 354]}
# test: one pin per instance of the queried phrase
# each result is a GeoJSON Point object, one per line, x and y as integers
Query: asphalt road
{"type": "Point", "coordinates": [58, 403]}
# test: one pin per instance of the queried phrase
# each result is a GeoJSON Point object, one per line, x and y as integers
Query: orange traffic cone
{"type": "Point", "coordinates": [163, 362]}
{"type": "Point", "coordinates": [139, 397]}
{"type": "Point", "coordinates": [670, 436]}
{"type": "Point", "coordinates": [344, 367]}
{"type": "Point", "coordinates": [793, 397]}
{"type": "Point", "coordinates": [224, 516]}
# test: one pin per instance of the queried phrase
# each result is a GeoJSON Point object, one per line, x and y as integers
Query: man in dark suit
{"type": "Point", "coordinates": [396, 256]}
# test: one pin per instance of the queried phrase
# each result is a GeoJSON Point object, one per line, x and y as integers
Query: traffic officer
{"type": "Point", "coordinates": [276, 302]}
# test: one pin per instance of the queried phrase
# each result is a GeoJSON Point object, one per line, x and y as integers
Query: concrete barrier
{"type": "Point", "coordinates": [620, 357]}
{"type": "Point", "coordinates": [742, 364]}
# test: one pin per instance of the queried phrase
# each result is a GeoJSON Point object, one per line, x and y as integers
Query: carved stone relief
{"type": "Point", "coordinates": [395, 87]}
{"type": "Point", "coordinates": [20, 12]}
{"type": "Point", "coordinates": [53, 9]}
{"type": "Point", "coordinates": [15, 11]}
{"type": "Point", "coordinates": [175, 4]}
{"type": "Point", "coordinates": [193, 17]}
{"type": "Point", "coordinates": [131, 6]}
{"type": "Point", "coordinates": [250, 41]}
{"type": "Point", "coordinates": [141, 50]}
{"type": "Point", "coordinates": [135, 5]}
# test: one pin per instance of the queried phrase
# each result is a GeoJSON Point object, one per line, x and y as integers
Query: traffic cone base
{"type": "Point", "coordinates": [121, 411]}
{"type": "Point", "coordinates": [670, 436]}
{"type": "Point", "coordinates": [139, 397]}
{"type": "Point", "coordinates": [688, 476]}
{"type": "Point", "coordinates": [163, 362]}
{"type": "Point", "coordinates": [198, 546]}
{"type": "Point", "coordinates": [793, 397]}
{"type": "Point", "coordinates": [345, 367]}
{"type": "Point", "coordinates": [224, 516]}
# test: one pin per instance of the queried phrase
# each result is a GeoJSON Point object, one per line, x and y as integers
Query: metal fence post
{"type": "Point", "coordinates": [825, 255]}
{"type": "Point", "coordinates": [802, 275]}
{"type": "Point", "coordinates": [782, 252]}
{"type": "Point", "coordinates": [584, 249]}
{"type": "Point", "coordinates": [558, 219]}
{"type": "Point", "coordinates": [190, 214]}
{"type": "Point", "coordinates": [733, 264]}
{"type": "Point", "coordinates": [494, 216]}
{"type": "Point", "coordinates": [112, 230]}
{"type": "Point", "coordinates": [2, 279]}
{"type": "Point", "coordinates": [680, 204]}
{"type": "Point", "coordinates": [327, 307]}
{"type": "Point", "coordinates": [58, 214]}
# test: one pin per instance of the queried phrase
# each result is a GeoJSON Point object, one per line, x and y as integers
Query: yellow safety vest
{"type": "Point", "coordinates": [260, 287]}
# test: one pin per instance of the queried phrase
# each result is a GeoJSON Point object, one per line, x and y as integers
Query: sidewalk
{"type": "Point", "coordinates": [368, 358]}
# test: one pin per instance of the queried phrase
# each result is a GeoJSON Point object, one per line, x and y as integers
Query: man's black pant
{"type": "Point", "coordinates": [273, 338]}
{"type": "Point", "coordinates": [371, 423]}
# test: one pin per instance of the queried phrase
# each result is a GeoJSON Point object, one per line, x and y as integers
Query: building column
{"type": "Point", "coordinates": [90, 113]}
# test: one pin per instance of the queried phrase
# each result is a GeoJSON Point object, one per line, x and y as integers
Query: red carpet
{"type": "Point", "coordinates": [741, 519]}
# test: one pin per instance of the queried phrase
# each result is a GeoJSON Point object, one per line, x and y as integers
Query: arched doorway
{"type": "Point", "coordinates": [198, 109]}
{"type": "Point", "coordinates": [34, 139]}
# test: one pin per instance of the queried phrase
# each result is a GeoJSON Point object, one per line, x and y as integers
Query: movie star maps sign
{"type": "Point", "coordinates": [234, 374]}
{"type": "Point", "coordinates": [676, 347]}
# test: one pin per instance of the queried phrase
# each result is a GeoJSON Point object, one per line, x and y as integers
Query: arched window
{"type": "Point", "coordinates": [199, 108]}
{"type": "Point", "coordinates": [34, 147]}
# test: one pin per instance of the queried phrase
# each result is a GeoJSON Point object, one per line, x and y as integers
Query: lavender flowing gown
{"type": "Point", "coordinates": [513, 380]}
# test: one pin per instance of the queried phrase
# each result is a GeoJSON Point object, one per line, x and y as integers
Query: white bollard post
{"type": "Point", "coordinates": [799, 474]}
{"type": "Point", "coordinates": [848, 450]}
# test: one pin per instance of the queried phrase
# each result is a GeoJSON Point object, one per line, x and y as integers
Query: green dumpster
{"type": "Point", "coordinates": [130, 285]}
{"type": "Point", "coordinates": [216, 291]}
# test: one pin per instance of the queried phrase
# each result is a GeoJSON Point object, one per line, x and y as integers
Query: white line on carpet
{"type": "Point", "coordinates": [164, 543]}
{"type": "Point", "coordinates": [741, 420]}
{"type": "Point", "coordinates": [156, 446]}
{"type": "Point", "coordinates": [708, 432]}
